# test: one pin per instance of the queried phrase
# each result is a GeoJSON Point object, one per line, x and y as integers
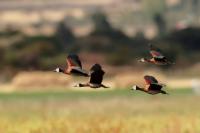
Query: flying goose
{"type": "Point", "coordinates": [74, 66]}
{"type": "Point", "coordinates": [157, 58]}
{"type": "Point", "coordinates": [152, 86]}
{"type": "Point", "coordinates": [96, 78]}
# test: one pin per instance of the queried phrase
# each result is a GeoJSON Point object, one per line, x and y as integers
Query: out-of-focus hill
{"type": "Point", "coordinates": [122, 14]}
{"type": "Point", "coordinates": [117, 33]}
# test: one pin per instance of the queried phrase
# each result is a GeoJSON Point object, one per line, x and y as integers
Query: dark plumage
{"type": "Point", "coordinates": [96, 74]}
{"type": "Point", "coordinates": [96, 78]}
{"type": "Point", "coordinates": [73, 67]}
{"type": "Point", "coordinates": [152, 86]}
{"type": "Point", "coordinates": [157, 58]}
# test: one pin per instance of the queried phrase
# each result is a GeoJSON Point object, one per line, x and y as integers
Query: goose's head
{"type": "Point", "coordinates": [142, 60]}
{"type": "Point", "coordinates": [77, 85]}
{"type": "Point", "coordinates": [58, 70]}
{"type": "Point", "coordinates": [134, 88]}
{"type": "Point", "coordinates": [81, 85]}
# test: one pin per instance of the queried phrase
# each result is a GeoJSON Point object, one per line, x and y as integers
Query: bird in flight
{"type": "Point", "coordinates": [96, 78]}
{"type": "Point", "coordinates": [73, 67]}
{"type": "Point", "coordinates": [152, 86]}
{"type": "Point", "coordinates": [156, 58]}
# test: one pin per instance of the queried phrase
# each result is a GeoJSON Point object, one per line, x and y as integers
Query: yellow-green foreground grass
{"type": "Point", "coordinates": [99, 112]}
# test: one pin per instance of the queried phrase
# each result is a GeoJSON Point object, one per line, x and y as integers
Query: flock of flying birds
{"type": "Point", "coordinates": [152, 86]}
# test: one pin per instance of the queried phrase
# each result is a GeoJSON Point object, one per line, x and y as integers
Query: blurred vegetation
{"type": "Point", "coordinates": [81, 111]}
{"type": "Point", "coordinates": [64, 36]}
{"type": "Point", "coordinates": [45, 52]}
{"type": "Point", "coordinates": [160, 23]}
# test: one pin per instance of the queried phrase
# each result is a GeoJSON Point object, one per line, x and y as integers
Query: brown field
{"type": "Point", "coordinates": [31, 81]}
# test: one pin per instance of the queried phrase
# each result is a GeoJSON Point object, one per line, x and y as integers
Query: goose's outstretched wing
{"type": "Point", "coordinates": [155, 53]}
{"type": "Point", "coordinates": [73, 61]}
{"type": "Point", "coordinates": [96, 74]}
{"type": "Point", "coordinates": [150, 80]}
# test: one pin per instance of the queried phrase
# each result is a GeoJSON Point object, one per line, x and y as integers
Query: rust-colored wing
{"type": "Point", "coordinates": [73, 61]}
{"type": "Point", "coordinates": [150, 80]}
{"type": "Point", "coordinates": [155, 52]}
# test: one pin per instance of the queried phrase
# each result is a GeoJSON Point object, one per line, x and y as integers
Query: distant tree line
{"type": "Point", "coordinates": [42, 52]}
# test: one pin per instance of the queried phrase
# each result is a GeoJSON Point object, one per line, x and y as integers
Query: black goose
{"type": "Point", "coordinates": [96, 78]}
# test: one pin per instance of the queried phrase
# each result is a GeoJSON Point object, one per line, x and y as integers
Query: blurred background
{"type": "Point", "coordinates": [37, 35]}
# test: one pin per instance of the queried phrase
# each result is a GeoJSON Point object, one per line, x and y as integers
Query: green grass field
{"type": "Point", "coordinates": [111, 111]}
{"type": "Point", "coordinates": [70, 94]}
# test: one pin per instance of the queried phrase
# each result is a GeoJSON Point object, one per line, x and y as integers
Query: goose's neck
{"type": "Point", "coordinates": [84, 85]}
{"type": "Point", "coordinates": [63, 71]}
{"type": "Point", "coordinates": [149, 60]}
{"type": "Point", "coordinates": [141, 89]}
